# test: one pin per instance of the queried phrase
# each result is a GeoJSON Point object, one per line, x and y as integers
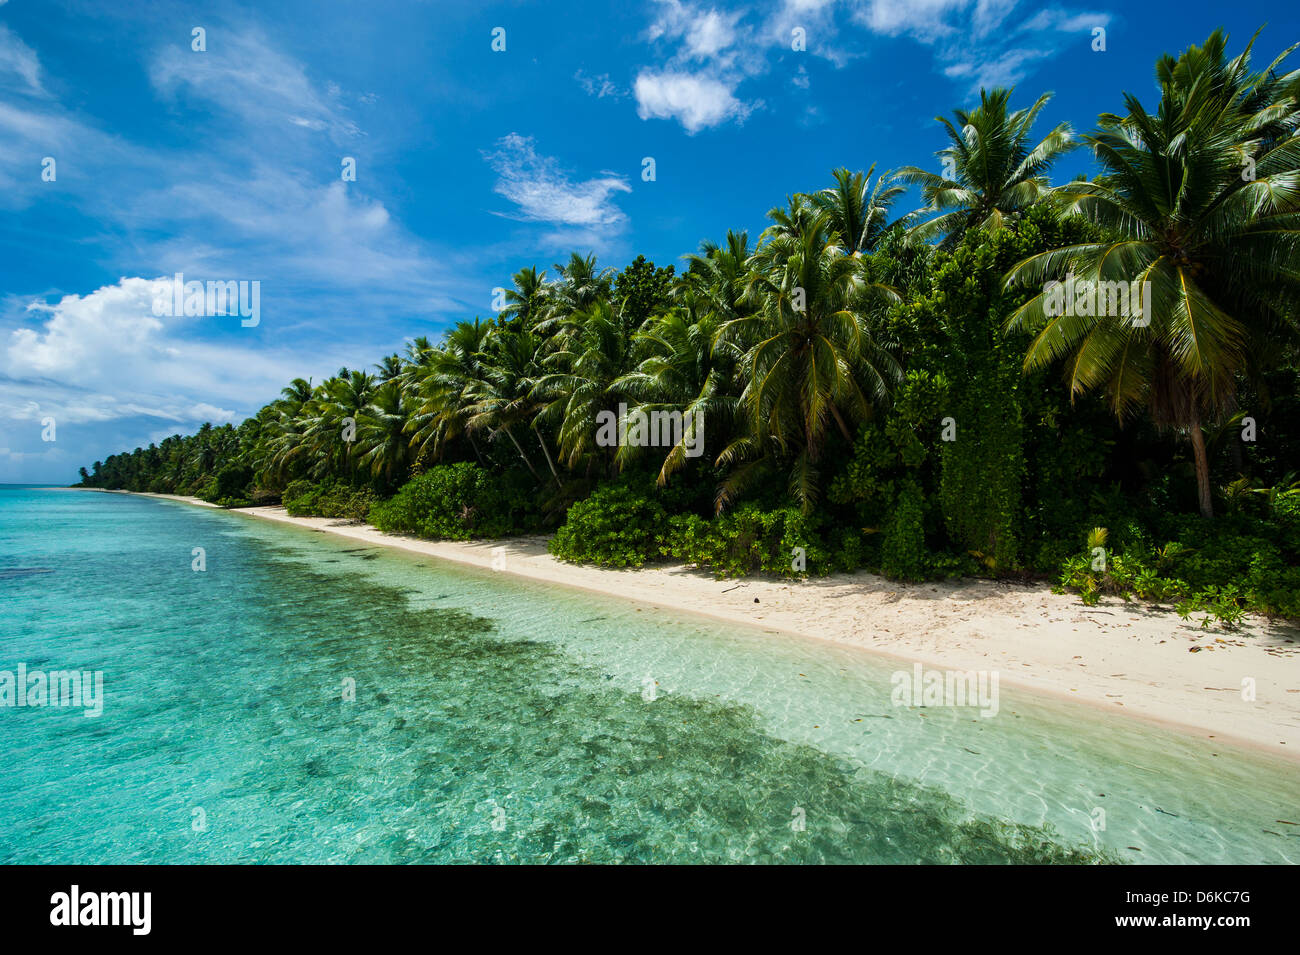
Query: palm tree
{"type": "Point", "coordinates": [1216, 249]}
{"type": "Point", "coordinates": [331, 420]}
{"type": "Point", "coordinates": [810, 356]}
{"type": "Point", "coordinates": [682, 370]}
{"type": "Point", "coordinates": [501, 399]}
{"type": "Point", "coordinates": [285, 442]}
{"type": "Point", "coordinates": [992, 173]}
{"type": "Point", "coordinates": [858, 209]}
{"type": "Point", "coordinates": [382, 445]}
{"type": "Point", "coordinates": [390, 368]}
{"type": "Point", "coordinates": [719, 274]}
{"type": "Point", "coordinates": [580, 287]}
{"type": "Point", "coordinates": [439, 383]}
{"type": "Point", "coordinates": [591, 355]}
{"type": "Point", "coordinates": [526, 301]}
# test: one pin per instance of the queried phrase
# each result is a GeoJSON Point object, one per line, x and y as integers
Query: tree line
{"type": "Point", "coordinates": [967, 387]}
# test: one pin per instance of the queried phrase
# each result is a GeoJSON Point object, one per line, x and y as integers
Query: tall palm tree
{"type": "Point", "coordinates": [331, 420]}
{"type": "Point", "coordinates": [811, 359]}
{"type": "Point", "coordinates": [284, 443]}
{"type": "Point", "coordinates": [682, 370]}
{"type": "Point", "coordinates": [500, 400]}
{"type": "Point", "coordinates": [390, 368]}
{"type": "Point", "coordinates": [1219, 250]}
{"type": "Point", "coordinates": [526, 302]}
{"type": "Point", "coordinates": [440, 383]}
{"type": "Point", "coordinates": [858, 208]}
{"type": "Point", "coordinates": [718, 274]}
{"type": "Point", "coordinates": [993, 171]}
{"type": "Point", "coordinates": [580, 287]}
{"type": "Point", "coordinates": [593, 354]}
{"type": "Point", "coordinates": [383, 447]}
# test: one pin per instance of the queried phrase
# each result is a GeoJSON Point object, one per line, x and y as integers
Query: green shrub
{"type": "Point", "coordinates": [303, 499]}
{"type": "Point", "coordinates": [749, 539]}
{"type": "Point", "coordinates": [1218, 569]}
{"type": "Point", "coordinates": [303, 502]}
{"type": "Point", "coordinates": [903, 552]}
{"type": "Point", "coordinates": [232, 481]}
{"type": "Point", "coordinates": [620, 525]}
{"type": "Point", "coordinates": [453, 502]}
{"type": "Point", "coordinates": [1286, 518]}
{"type": "Point", "coordinates": [296, 489]}
{"type": "Point", "coordinates": [262, 496]}
{"type": "Point", "coordinates": [346, 502]}
{"type": "Point", "coordinates": [852, 549]}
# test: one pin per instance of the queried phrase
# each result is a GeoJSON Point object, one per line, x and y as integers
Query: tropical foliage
{"type": "Point", "coordinates": [964, 389]}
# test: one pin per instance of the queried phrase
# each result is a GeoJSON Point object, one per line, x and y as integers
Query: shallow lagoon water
{"type": "Point", "coordinates": [500, 720]}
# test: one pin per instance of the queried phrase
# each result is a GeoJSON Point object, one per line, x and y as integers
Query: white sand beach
{"type": "Point", "coordinates": [1132, 658]}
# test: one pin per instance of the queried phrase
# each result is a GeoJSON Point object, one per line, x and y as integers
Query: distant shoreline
{"type": "Point", "coordinates": [1128, 658]}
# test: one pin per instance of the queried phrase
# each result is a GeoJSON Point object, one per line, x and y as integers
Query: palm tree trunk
{"type": "Point", "coordinates": [474, 445]}
{"type": "Point", "coordinates": [531, 470]}
{"type": "Point", "coordinates": [1202, 462]}
{"type": "Point", "coordinates": [549, 462]}
{"type": "Point", "coordinates": [840, 421]}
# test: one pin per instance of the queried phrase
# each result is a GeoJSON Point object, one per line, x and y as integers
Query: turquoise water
{"type": "Point", "coordinates": [496, 720]}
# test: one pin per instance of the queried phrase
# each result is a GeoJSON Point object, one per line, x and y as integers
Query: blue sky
{"type": "Point", "coordinates": [225, 164]}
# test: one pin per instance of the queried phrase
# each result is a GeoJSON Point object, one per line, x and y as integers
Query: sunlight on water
{"type": "Point", "coordinates": [500, 720]}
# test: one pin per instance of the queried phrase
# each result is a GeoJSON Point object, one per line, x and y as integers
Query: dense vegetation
{"type": "Point", "coordinates": [904, 394]}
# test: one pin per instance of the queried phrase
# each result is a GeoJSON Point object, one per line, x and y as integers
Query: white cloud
{"type": "Point", "coordinates": [249, 202]}
{"type": "Point", "coordinates": [18, 58]}
{"type": "Point", "coordinates": [545, 193]}
{"type": "Point", "coordinates": [104, 356]}
{"type": "Point", "coordinates": [1007, 69]}
{"type": "Point", "coordinates": [990, 14]}
{"type": "Point", "coordinates": [705, 34]}
{"type": "Point", "coordinates": [925, 20]}
{"type": "Point", "coordinates": [697, 86]}
{"type": "Point", "coordinates": [818, 21]}
{"type": "Point", "coordinates": [243, 74]}
{"type": "Point", "coordinates": [975, 41]}
{"type": "Point", "coordinates": [599, 86]}
{"type": "Point", "coordinates": [1066, 22]}
{"type": "Point", "coordinates": [696, 100]}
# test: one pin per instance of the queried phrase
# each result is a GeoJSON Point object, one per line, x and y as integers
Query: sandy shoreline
{"type": "Point", "coordinates": [1128, 658]}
